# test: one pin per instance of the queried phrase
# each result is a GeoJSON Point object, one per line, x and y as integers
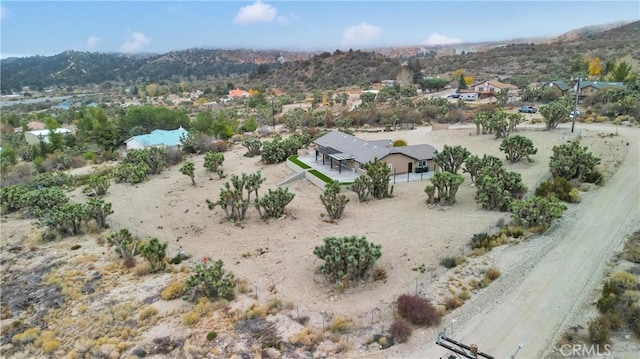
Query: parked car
{"type": "Point", "coordinates": [528, 109]}
{"type": "Point", "coordinates": [454, 95]}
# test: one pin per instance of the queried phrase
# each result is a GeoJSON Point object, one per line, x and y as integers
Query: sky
{"type": "Point", "coordinates": [50, 27]}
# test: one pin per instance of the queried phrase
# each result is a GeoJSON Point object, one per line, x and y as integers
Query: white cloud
{"type": "Point", "coordinates": [361, 34]}
{"type": "Point", "coordinates": [92, 42]}
{"type": "Point", "coordinates": [439, 39]}
{"type": "Point", "coordinates": [257, 12]}
{"type": "Point", "coordinates": [3, 12]}
{"type": "Point", "coordinates": [135, 42]}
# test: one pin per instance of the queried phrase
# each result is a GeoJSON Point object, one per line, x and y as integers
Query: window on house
{"type": "Point", "coordinates": [422, 163]}
{"type": "Point", "coordinates": [361, 166]}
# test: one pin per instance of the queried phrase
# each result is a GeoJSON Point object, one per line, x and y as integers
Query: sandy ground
{"type": "Point", "coordinates": [410, 233]}
{"type": "Point", "coordinates": [276, 257]}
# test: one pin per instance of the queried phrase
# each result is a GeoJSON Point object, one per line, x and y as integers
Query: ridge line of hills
{"type": "Point", "coordinates": [74, 68]}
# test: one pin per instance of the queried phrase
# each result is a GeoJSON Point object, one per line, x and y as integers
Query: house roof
{"type": "Point", "coordinates": [38, 133]}
{"type": "Point", "coordinates": [563, 86]}
{"type": "Point", "coordinates": [238, 93]}
{"type": "Point", "coordinates": [600, 84]}
{"type": "Point", "coordinates": [341, 145]}
{"type": "Point", "coordinates": [495, 83]}
{"type": "Point", "coordinates": [35, 125]}
{"type": "Point", "coordinates": [168, 138]}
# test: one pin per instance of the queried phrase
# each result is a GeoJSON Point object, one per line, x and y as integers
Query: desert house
{"type": "Point", "coordinates": [489, 88]}
{"type": "Point", "coordinates": [562, 86]}
{"type": "Point", "coordinates": [590, 87]}
{"type": "Point", "coordinates": [157, 138]}
{"type": "Point", "coordinates": [34, 137]}
{"type": "Point", "coordinates": [344, 151]}
{"type": "Point", "coordinates": [237, 93]}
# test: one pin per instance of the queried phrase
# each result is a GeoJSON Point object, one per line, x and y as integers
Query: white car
{"type": "Point", "coordinates": [579, 114]}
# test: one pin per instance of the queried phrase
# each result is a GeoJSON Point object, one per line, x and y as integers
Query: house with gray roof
{"type": "Point", "coordinates": [562, 86]}
{"type": "Point", "coordinates": [344, 151]}
{"type": "Point", "coordinates": [590, 87]}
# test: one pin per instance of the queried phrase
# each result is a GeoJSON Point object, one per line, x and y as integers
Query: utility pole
{"type": "Point", "coordinates": [575, 108]}
{"type": "Point", "coordinates": [273, 114]}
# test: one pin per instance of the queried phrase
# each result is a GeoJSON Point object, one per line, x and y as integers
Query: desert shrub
{"type": "Point", "coordinates": [624, 280]}
{"type": "Point", "coordinates": [451, 262]}
{"type": "Point", "coordinates": [126, 245]}
{"type": "Point", "coordinates": [347, 257]}
{"type": "Point", "coordinates": [464, 295]}
{"type": "Point", "coordinates": [537, 211]}
{"type": "Point", "coordinates": [273, 203]}
{"type": "Point", "coordinates": [340, 324]}
{"type": "Point", "coordinates": [174, 290]}
{"type": "Point", "coordinates": [40, 202]}
{"type": "Point", "coordinates": [212, 335]}
{"type": "Point", "coordinates": [278, 150]}
{"type": "Point", "coordinates": [480, 240]}
{"type": "Point", "coordinates": [492, 274]}
{"type": "Point", "coordinates": [190, 318]}
{"type": "Point", "coordinates": [632, 248]}
{"type": "Point", "coordinates": [211, 281]}
{"type": "Point", "coordinates": [218, 146]}
{"type": "Point", "coordinates": [399, 143]}
{"type": "Point", "coordinates": [147, 312]}
{"type": "Point", "coordinates": [599, 331]}
{"type": "Point", "coordinates": [400, 330]}
{"type": "Point", "coordinates": [417, 310]}
{"type": "Point", "coordinates": [557, 187]}
{"type": "Point", "coordinates": [98, 184]}
{"type": "Point", "coordinates": [173, 157]}
{"type": "Point", "coordinates": [571, 161]}
{"type": "Point", "coordinates": [261, 331]}
{"type": "Point", "coordinates": [155, 253]}
{"type": "Point", "coordinates": [305, 338]}
{"type": "Point", "coordinates": [452, 303]}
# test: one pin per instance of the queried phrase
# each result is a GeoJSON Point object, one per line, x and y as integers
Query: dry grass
{"type": "Point", "coordinates": [190, 318]}
{"type": "Point", "coordinates": [340, 324]}
{"type": "Point", "coordinates": [172, 291]}
{"type": "Point", "coordinates": [305, 338]}
{"type": "Point", "coordinates": [147, 312]}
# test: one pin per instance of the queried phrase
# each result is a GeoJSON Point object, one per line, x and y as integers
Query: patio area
{"type": "Point", "coordinates": [349, 175]}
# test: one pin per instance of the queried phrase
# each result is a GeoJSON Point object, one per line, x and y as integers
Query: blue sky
{"type": "Point", "coordinates": [50, 27]}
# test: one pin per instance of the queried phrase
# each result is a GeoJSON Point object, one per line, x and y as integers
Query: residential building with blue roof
{"type": "Point", "coordinates": [157, 138]}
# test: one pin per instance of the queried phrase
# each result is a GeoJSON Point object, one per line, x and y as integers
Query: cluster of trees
{"type": "Point", "coordinates": [43, 198]}
{"type": "Point", "coordinates": [497, 122]}
{"type": "Point", "coordinates": [235, 198]}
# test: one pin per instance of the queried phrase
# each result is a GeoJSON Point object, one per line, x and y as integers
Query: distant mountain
{"type": "Point", "coordinates": [541, 62]}
{"type": "Point", "coordinates": [586, 31]}
{"type": "Point", "coordinates": [316, 69]}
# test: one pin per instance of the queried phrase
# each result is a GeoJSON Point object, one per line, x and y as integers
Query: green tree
{"type": "Point", "coordinates": [99, 184]}
{"type": "Point", "coordinates": [250, 124]}
{"type": "Point", "coordinates": [278, 150]}
{"type": "Point", "coordinates": [253, 146]}
{"type": "Point", "coordinates": [126, 245]}
{"type": "Point", "coordinates": [498, 123]}
{"type": "Point", "coordinates": [347, 258]}
{"type": "Point", "coordinates": [334, 202]}
{"type": "Point", "coordinates": [515, 119]}
{"type": "Point", "coordinates": [444, 188]}
{"type": "Point", "coordinates": [362, 187]}
{"type": "Point", "coordinates": [379, 173]}
{"type": "Point", "coordinates": [204, 123]}
{"type": "Point", "coordinates": [272, 204]}
{"type": "Point", "coordinates": [213, 162]}
{"type": "Point", "coordinates": [232, 196]}
{"type": "Point", "coordinates": [433, 84]}
{"type": "Point", "coordinates": [516, 147]}
{"type": "Point", "coordinates": [367, 97]}
{"type": "Point", "coordinates": [99, 210]}
{"type": "Point", "coordinates": [94, 127]}
{"type": "Point", "coordinates": [502, 96]}
{"type": "Point", "coordinates": [188, 169]}
{"type": "Point", "coordinates": [496, 187]}
{"type": "Point", "coordinates": [481, 120]}
{"type": "Point", "coordinates": [155, 252]}
{"type": "Point", "coordinates": [211, 281]}
{"type": "Point", "coordinates": [621, 72]}
{"type": "Point", "coordinates": [555, 112]}
{"type": "Point", "coordinates": [451, 158]}
{"type": "Point", "coordinates": [462, 84]}
{"type": "Point", "coordinates": [537, 211]}
{"type": "Point", "coordinates": [571, 161]}
{"type": "Point", "coordinates": [68, 218]}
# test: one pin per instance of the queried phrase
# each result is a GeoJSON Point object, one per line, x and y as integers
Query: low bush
{"type": "Point", "coordinates": [625, 280]}
{"type": "Point", "coordinates": [599, 331]}
{"type": "Point", "coordinates": [492, 274]}
{"type": "Point", "coordinates": [340, 324]}
{"type": "Point", "coordinates": [417, 310]}
{"type": "Point", "coordinates": [400, 330]}
{"type": "Point", "coordinates": [452, 303]}
{"type": "Point", "coordinates": [557, 187]}
{"type": "Point", "coordinates": [174, 290]}
{"type": "Point", "coordinates": [399, 143]}
{"type": "Point", "coordinates": [451, 262]}
{"type": "Point", "coordinates": [190, 319]}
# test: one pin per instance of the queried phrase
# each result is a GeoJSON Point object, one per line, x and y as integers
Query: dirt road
{"type": "Point", "coordinates": [532, 301]}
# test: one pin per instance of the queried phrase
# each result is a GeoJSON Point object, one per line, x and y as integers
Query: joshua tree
{"type": "Point", "coordinates": [213, 162]}
{"type": "Point", "coordinates": [378, 172]}
{"type": "Point", "coordinates": [451, 158]}
{"type": "Point", "coordinates": [333, 201]}
{"type": "Point", "coordinates": [446, 185]}
{"type": "Point", "coordinates": [517, 147]}
{"type": "Point", "coordinates": [362, 186]}
{"type": "Point", "coordinates": [272, 204]}
{"type": "Point", "coordinates": [188, 169]}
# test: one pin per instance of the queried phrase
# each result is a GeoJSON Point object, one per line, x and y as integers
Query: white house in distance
{"type": "Point", "coordinates": [34, 137]}
{"type": "Point", "coordinates": [157, 138]}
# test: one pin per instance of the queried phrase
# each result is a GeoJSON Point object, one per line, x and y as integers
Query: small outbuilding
{"type": "Point", "coordinates": [34, 137]}
{"type": "Point", "coordinates": [157, 138]}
